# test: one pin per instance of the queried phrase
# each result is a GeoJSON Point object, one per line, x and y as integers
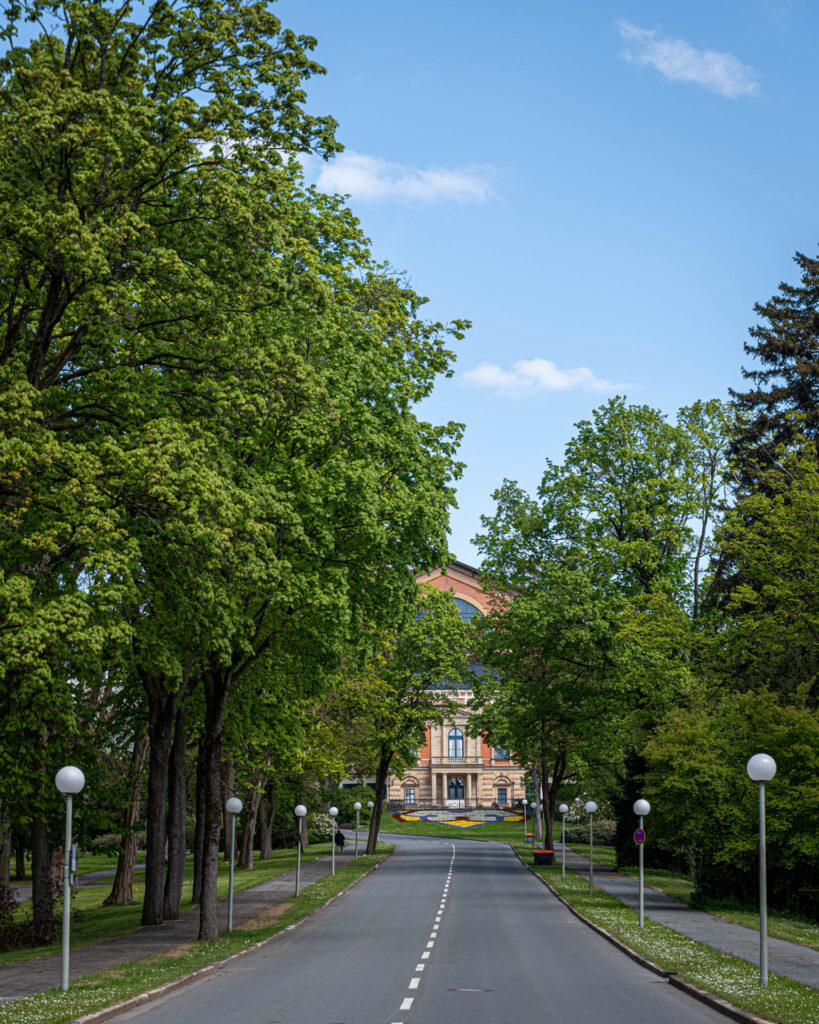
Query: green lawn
{"type": "Point", "coordinates": [790, 927]}
{"type": "Point", "coordinates": [97, 990]}
{"type": "Point", "coordinates": [99, 922]}
{"type": "Point", "coordinates": [735, 980]}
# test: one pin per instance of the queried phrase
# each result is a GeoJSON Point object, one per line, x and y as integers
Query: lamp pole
{"type": "Point", "coordinates": [641, 808]}
{"type": "Point", "coordinates": [564, 809]}
{"type": "Point", "coordinates": [300, 812]}
{"type": "Point", "coordinates": [524, 802]}
{"type": "Point", "coordinates": [233, 806]}
{"type": "Point", "coordinates": [68, 780]}
{"type": "Point", "coordinates": [370, 806]}
{"type": "Point", "coordinates": [761, 768]}
{"type": "Point", "coordinates": [357, 806]}
{"type": "Point", "coordinates": [333, 813]}
{"type": "Point", "coordinates": [591, 807]}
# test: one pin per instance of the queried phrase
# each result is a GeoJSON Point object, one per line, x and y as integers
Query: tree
{"type": "Point", "coordinates": [398, 684]}
{"type": "Point", "coordinates": [549, 690]}
{"type": "Point", "coordinates": [787, 381]}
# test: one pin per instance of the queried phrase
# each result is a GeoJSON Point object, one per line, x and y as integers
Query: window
{"type": "Point", "coordinates": [409, 795]}
{"type": "Point", "coordinates": [455, 790]}
{"type": "Point", "coordinates": [468, 611]}
{"type": "Point", "coordinates": [456, 743]}
{"type": "Point", "coordinates": [502, 794]}
{"type": "Point", "coordinates": [500, 754]}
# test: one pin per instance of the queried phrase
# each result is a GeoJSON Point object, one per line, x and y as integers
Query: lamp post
{"type": "Point", "coordinates": [233, 806]}
{"type": "Point", "coordinates": [357, 806]}
{"type": "Point", "coordinates": [641, 808]}
{"type": "Point", "coordinates": [300, 812]}
{"type": "Point", "coordinates": [370, 806]}
{"type": "Point", "coordinates": [591, 807]}
{"type": "Point", "coordinates": [564, 810]}
{"type": "Point", "coordinates": [524, 802]}
{"type": "Point", "coordinates": [333, 812]}
{"type": "Point", "coordinates": [761, 768]}
{"type": "Point", "coordinates": [68, 780]}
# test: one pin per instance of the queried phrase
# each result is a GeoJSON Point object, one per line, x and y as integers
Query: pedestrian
{"type": "Point", "coordinates": [340, 840]}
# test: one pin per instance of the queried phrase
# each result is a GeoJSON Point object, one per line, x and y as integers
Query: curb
{"type": "Point", "coordinates": [715, 1002]}
{"type": "Point", "coordinates": [107, 1012]}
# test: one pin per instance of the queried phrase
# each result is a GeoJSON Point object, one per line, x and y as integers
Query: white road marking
{"type": "Point", "coordinates": [415, 983]}
{"type": "Point", "coordinates": [425, 956]}
{"type": "Point", "coordinates": [430, 945]}
{"type": "Point", "coordinates": [420, 967]}
{"type": "Point", "coordinates": [407, 1004]}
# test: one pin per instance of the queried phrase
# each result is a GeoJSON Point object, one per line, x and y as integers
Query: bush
{"type": "Point", "coordinates": [319, 828]}
{"type": "Point", "coordinates": [604, 829]}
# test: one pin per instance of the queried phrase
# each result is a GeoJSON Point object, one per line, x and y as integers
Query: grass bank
{"type": "Point", "coordinates": [99, 922]}
{"type": "Point", "coordinates": [732, 979]}
{"type": "Point", "coordinates": [95, 991]}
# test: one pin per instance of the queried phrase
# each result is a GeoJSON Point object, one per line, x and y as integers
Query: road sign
{"type": "Point", "coordinates": [639, 837]}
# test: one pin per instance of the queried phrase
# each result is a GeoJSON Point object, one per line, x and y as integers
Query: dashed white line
{"type": "Point", "coordinates": [415, 983]}
{"type": "Point", "coordinates": [407, 1004]}
{"type": "Point", "coordinates": [430, 945]}
{"type": "Point", "coordinates": [425, 956]}
{"type": "Point", "coordinates": [420, 967]}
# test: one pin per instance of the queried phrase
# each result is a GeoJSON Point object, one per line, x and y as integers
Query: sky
{"type": "Point", "coordinates": [604, 189]}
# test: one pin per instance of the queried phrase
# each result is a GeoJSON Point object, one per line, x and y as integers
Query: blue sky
{"type": "Point", "coordinates": [604, 189]}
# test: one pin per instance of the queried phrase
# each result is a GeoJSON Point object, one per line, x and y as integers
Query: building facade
{"type": "Point", "coordinates": [454, 769]}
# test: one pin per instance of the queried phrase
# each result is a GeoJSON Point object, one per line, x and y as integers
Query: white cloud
{"type": "Point", "coordinates": [370, 177]}
{"type": "Point", "coordinates": [528, 376]}
{"type": "Point", "coordinates": [681, 62]}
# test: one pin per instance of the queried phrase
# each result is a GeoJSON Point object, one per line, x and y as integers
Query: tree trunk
{"type": "Point", "coordinates": [42, 897]}
{"type": "Point", "coordinates": [267, 812]}
{"type": "Point", "coordinates": [177, 806]}
{"type": "Point", "coordinates": [216, 686]}
{"type": "Point", "coordinates": [375, 820]}
{"type": "Point", "coordinates": [536, 798]}
{"type": "Point", "coordinates": [161, 714]}
{"type": "Point", "coordinates": [228, 777]}
{"type": "Point", "coordinates": [5, 850]}
{"type": "Point", "coordinates": [252, 803]}
{"type": "Point", "coordinates": [545, 803]}
{"type": "Point", "coordinates": [199, 828]}
{"type": "Point", "coordinates": [19, 856]}
{"type": "Point", "coordinates": [122, 891]}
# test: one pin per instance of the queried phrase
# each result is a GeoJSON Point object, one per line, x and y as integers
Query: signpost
{"type": "Point", "coordinates": [641, 808]}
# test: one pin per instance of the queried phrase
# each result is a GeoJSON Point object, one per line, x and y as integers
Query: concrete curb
{"type": "Point", "coordinates": [107, 1012]}
{"type": "Point", "coordinates": [715, 1002]}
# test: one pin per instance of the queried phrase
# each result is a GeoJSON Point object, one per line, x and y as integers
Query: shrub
{"type": "Point", "coordinates": [604, 829]}
{"type": "Point", "coordinates": [319, 828]}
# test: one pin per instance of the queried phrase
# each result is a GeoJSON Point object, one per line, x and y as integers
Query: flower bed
{"type": "Point", "coordinates": [460, 819]}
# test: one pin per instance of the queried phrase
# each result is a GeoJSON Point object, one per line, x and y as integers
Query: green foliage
{"type": "Point", "coordinates": [704, 807]}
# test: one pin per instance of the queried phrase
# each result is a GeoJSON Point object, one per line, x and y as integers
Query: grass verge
{"type": "Point", "coordinates": [99, 922]}
{"type": "Point", "coordinates": [95, 991]}
{"type": "Point", "coordinates": [732, 979]}
{"type": "Point", "coordinates": [790, 927]}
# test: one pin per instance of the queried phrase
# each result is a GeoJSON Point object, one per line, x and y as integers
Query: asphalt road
{"type": "Point", "coordinates": [443, 933]}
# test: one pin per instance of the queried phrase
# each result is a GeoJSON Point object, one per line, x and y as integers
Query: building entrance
{"type": "Point", "coordinates": [456, 789]}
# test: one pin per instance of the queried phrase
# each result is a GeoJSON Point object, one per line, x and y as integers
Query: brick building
{"type": "Point", "coordinates": [454, 769]}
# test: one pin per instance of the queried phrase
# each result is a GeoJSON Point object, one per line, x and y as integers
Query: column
{"type": "Point", "coordinates": [468, 793]}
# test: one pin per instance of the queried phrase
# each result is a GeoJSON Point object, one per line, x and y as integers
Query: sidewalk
{"type": "Point", "coordinates": [31, 976]}
{"type": "Point", "coordinates": [801, 963]}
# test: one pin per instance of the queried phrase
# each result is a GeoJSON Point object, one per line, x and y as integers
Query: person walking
{"type": "Point", "coordinates": [339, 840]}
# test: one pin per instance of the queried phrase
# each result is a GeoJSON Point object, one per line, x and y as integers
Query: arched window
{"type": "Point", "coordinates": [500, 754]}
{"type": "Point", "coordinates": [455, 789]}
{"type": "Point", "coordinates": [468, 611]}
{"type": "Point", "coordinates": [456, 743]}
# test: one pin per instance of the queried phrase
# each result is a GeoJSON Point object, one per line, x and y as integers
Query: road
{"type": "Point", "coordinates": [443, 933]}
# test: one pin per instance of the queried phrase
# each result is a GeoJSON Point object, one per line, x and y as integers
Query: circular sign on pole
{"type": "Point", "coordinates": [639, 837]}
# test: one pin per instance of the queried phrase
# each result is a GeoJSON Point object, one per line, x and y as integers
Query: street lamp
{"type": "Point", "coordinates": [564, 810]}
{"type": "Point", "coordinates": [591, 807]}
{"type": "Point", "coordinates": [641, 808]}
{"type": "Point", "coordinates": [524, 802]}
{"type": "Point", "coordinates": [370, 806]}
{"type": "Point", "coordinates": [69, 780]}
{"type": "Point", "coordinates": [357, 806]}
{"type": "Point", "coordinates": [300, 812]}
{"type": "Point", "coordinates": [333, 812]}
{"type": "Point", "coordinates": [761, 768]}
{"type": "Point", "coordinates": [233, 806]}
